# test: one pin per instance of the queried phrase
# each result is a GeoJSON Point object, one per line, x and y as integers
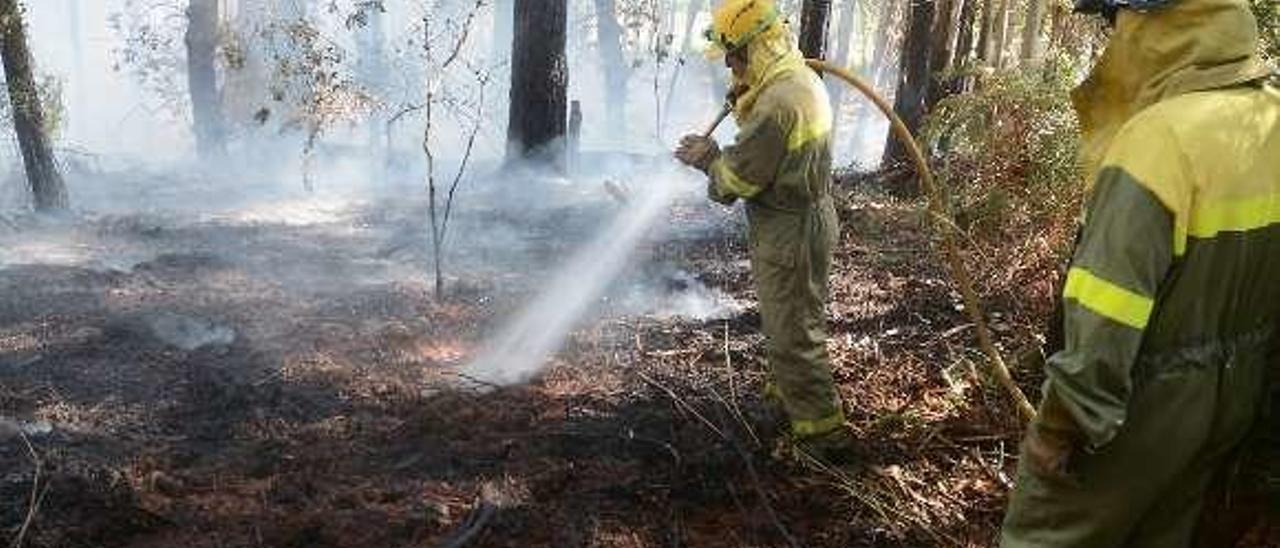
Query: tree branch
{"type": "Point", "coordinates": [466, 158]}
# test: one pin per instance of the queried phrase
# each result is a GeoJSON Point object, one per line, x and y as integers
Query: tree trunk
{"type": "Point", "coordinates": [940, 51]}
{"type": "Point", "coordinates": [964, 44]}
{"type": "Point", "coordinates": [202, 79]}
{"type": "Point", "coordinates": [539, 83]}
{"type": "Point", "coordinates": [999, 36]}
{"type": "Point", "coordinates": [880, 60]}
{"type": "Point", "coordinates": [813, 28]}
{"type": "Point", "coordinates": [616, 72]}
{"type": "Point", "coordinates": [1031, 35]}
{"type": "Point", "coordinates": [913, 80]}
{"type": "Point", "coordinates": [984, 35]}
{"type": "Point", "coordinates": [47, 187]}
{"type": "Point", "coordinates": [964, 38]}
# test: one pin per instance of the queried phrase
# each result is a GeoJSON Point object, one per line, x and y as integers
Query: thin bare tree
{"type": "Point", "coordinates": [440, 198]}
{"type": "Point", "coordinates": [47, 186]}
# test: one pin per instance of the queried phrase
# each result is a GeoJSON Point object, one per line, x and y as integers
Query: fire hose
{"type": "Point", "coordinates": [960, 275]}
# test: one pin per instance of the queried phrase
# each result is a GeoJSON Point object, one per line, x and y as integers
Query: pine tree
{"type": "Point", "coordinates": [539, 82]}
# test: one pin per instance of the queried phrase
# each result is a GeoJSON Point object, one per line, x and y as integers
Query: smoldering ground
{"type": "Point", "coordinates": [231, 324]}
{"type": "Point", "coordinates": [209, 354]}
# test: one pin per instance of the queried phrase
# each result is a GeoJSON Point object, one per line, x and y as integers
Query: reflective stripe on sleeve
{"type": "Point", "coordinates": [804, 134]}
{"type": "Point", "coordinates": [729, 182]}
{"type": "Point", "coordinates": [1208, 220]}
{"type": "Point", "coordinates": [1107, 299]}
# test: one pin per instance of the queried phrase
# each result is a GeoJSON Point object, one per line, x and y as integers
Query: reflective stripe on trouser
{"type": "Point", "coordinates": [1146, 487]}
{"type": "Point", "coordinates": [791, 256]}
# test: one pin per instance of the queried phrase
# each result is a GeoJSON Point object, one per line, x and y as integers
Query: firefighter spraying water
{"type": "Point", "coordinates": [780, 164]}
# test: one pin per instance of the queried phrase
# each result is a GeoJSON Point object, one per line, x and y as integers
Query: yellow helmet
{"type": "Point", "coordinates": [736, 22]}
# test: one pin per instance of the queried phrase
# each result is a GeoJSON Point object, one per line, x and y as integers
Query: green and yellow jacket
{"type": "Point", "coordinates": [1178, 265]}
{"type": "Point", "coordinates": [781, 158]}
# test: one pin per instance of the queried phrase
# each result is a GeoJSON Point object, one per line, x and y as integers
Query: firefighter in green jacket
{"type": "Point", "coordinates": [780, 164]}
{"type": "Point", "coordinates": [1172, 300]}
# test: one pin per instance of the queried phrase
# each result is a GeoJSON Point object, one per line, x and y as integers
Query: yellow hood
{"type": "Point", "coordinates": [771, 54]}
{"type": "Point", "coordinates": [1191, 45]}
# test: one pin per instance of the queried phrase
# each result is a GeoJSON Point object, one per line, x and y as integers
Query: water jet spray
{"type": "Point", "coordinates": [541, 328]}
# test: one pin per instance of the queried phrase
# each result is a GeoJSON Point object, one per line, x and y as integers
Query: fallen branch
{"type": "Point", "coordinates": [681, 403]}
{"type": "Point", "coordinates": [732, 403]}
{"type": "Point", "coordinates": [991, 471]}
{"type": "Point", "coordinates": [35, 492]}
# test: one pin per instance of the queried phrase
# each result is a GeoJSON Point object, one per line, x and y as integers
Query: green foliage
{"type": "Point", "coordinates": [1268, 13]}
{"type": "Point", "coordinates": [1010, 146]}
{"type": "Point", "coordinates": [1007, 157]}
{"type": "Point", "coordinates": [52, 107]}
{"type": "Point", "coordinates": [55, 111]}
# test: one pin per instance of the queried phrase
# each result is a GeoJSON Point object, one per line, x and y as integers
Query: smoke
{"type": "Point", "coordinates": [520, 350]}
{"type": "Point", "coordinates": [139, 197]}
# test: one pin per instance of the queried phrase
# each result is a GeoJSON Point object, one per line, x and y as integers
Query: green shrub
{"type": "Point", "coordinates": [1007, 157]}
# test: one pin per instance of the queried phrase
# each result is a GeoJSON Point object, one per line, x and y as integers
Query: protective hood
{"type": "Point", "coordinates": [1191, 45]}
{"type": "Point", "coordinates": [770, 55]}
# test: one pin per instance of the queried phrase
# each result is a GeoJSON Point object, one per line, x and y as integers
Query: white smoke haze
{"type": "Point", "coordinates": [521, 348]}
{"type": "Point", "coordinates": [138, 193]}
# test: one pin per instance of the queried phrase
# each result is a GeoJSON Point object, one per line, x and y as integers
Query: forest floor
{"type": "Point", "coordinates": [293, 382]}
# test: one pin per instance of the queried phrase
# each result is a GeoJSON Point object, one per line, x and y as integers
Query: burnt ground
{"type": "Point", "coordinates": [260, 383]}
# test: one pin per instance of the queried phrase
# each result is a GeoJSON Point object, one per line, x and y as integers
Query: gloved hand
{"type": "Point", "coordinates": [698, 152]}
{"type": "Point", "coordinates": [1052, 441]}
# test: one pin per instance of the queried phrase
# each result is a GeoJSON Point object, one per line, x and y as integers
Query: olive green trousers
{"type": "Point", "coordinates": [790, 261]}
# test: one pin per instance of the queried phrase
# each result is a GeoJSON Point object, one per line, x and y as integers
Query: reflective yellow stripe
{"type": "Point", "coordinates": [729, 182]}
{"type": "Point", "coordinates": [1207, 220]}
{"type": "Point", "coordinates": [804, 134]}
{"type": "Point", "coordinates": [810, 428]}
{"type": "Point", "coordinates": [1179, 238]}
{"type": "Point", "coordinates": [1107, 299]}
